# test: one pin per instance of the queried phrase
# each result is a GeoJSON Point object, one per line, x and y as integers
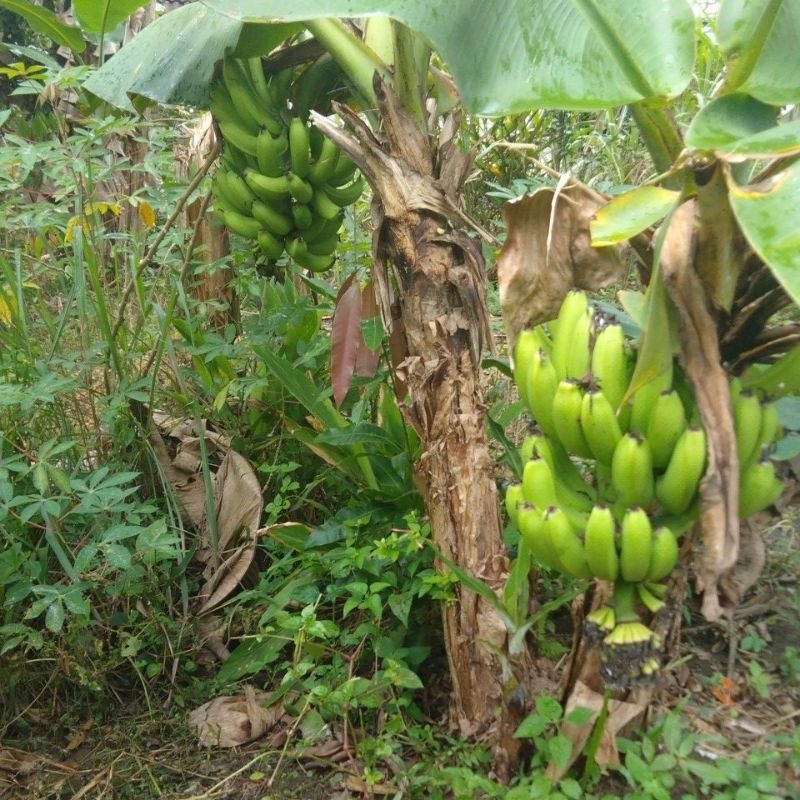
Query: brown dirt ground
{"type": "Point", "coordinates": [141, 755]}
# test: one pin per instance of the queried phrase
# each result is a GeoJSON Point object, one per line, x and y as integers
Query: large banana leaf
{"type": "Point", "coordinates": [761, 39]}
{"type": "Point", "coordinates": [172, 60]}
{"type": "Point", "coordinates": [505, 56]}
{"type": "Point", "coordinates": [96, 16]}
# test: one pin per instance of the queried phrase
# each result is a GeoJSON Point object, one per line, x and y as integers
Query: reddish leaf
{"type": "Point", "coordinates": [366, 359]}
{"type": "Point", "coordinates": [346, 338]}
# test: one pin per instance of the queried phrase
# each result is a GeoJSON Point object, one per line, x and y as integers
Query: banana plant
{"type": "Point", "coordinates": [722, 203]}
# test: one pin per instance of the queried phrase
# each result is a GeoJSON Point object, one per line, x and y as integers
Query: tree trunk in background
{"type": "Point", "coordinates": [431, 285]}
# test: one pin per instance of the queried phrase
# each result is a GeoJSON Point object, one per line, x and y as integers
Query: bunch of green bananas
{"type": "Point", "coordinates": [610, 482]}
{"type": "Point", "coordinates": [280, 182]}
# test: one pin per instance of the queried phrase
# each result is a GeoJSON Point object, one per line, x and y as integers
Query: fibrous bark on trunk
{"type": "Point", "coordinates": [430, 281]}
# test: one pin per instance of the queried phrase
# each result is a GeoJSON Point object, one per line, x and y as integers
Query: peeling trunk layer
{"type": "Point", "coordinates": [431, 286]}
{"type": "Point", "coordinates": [455, 473]}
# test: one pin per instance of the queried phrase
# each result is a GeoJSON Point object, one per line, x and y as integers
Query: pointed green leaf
{"type": "Point", "coordinates": [45, 22]}
{"type": "Point", "coordinates": [96, 16]}
{"type": "Point", "coordinates": [737, 124]}
{"type": "Point", "coordinates": [628, 214]}
{"type": "Point", "coordinates": [762, 40]}
{"type": "Point", "coordinates": [767, 214]}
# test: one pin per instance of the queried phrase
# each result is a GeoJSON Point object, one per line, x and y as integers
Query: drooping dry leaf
{"type": "Point", "coordinates": [620, 714]}
{"type": "Point", "coordinates": [548, 251]}
{"type": "Point", "coordinates": [188, 487]}
{"type": "Point", "coordinates": [232, 721]}
{"type": "Point", "coordinates": [719, 489]}
{"type": "Point", "coordinates": [182, 470]}
{"type": "Point", "coordinates": [239, 504]}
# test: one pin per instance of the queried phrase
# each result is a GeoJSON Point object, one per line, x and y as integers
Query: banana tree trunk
{"type": "Point", "coordinates": [430, 282]}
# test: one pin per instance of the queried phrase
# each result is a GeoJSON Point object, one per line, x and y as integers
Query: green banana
{"type": "Point", "coordinates": [600, 543]}
{"type": "Point", "coordinates": [650, 601]}
{"type": "Point", "coordinates": [747, 416]}
{"type": "Point", "coordinates": [271, 246]}
{"type": "Point", "coordinates": [243, 94]}
{"type": "Point", "coordinates": [514, 498]}
{"type": "Point", "coordinates": [678, 485]}
{"type": "Point", "coordinates": [759, 487]}
{"type": "Point", "coordinates": [323, 205]}
{"type": "Point", "coordinates": [324, 247]}
{"type": "Point", "coordinates": [635, 545]}
{"type": "Point", "coordinates": [344, 196]}
{"type": "Point", "coordinates": [322, 228]}
{"type": "Point", "coordinates": [538, 484]}
{"type": "Point", "coordinates": [300, 190]}
{"type": "Point", "coordinates": [571, 316]}
{"type": "Point", "coordinates": [535, 377]}
{"type": "Point", "coordinates": [223, 110]}
{"type": "Point", "coordinates": [664, 554]}
{"type": "Point", "coordinates": [632, 471]}
{"type": "Point", "coordinates": [268, 156]}
{"type": "Point", "coordinates": [303, 216]}
{"type": "Point", "coordinates": [298, 250]}
{"type": "Point", "coordinates": [236, 188]}
{"type": "Point", "coordinates": [566, 410]}
{"type": "Point", "coordinates": [271, 218]}
{"type": "Point", "coordinates": [600, 426]}
{"type": "Point", "coordinates": [530, 521]}
{"type": "Point", "coordinates": [566, 543]}
{"type": "Point", "coordinates": [245, 226]}
{"type": "Point", "coordinates": [572, 490]}
{"type": "Point", "coordinates": [666, 424]}
{"type": "Point", "coordinates": [313, 87]}
{"type": "Point", "coordinates": [258, 78]}
{"type": "Point", "coordinates": [234, 132]}
{"type": "Point", "coordinates": [645, 397]}
{"type": "Point", "coordinates": [299, 147]}
{"type": "Point", "coordinates": [280, 84]}
{"type": "Point", "coordinates": [344, 171]}
{"type": "Point", "coordinates": [234, 159]}
{"type": "Point", "coordinates": [225, 194]}
{"type": "Point", "coordinates": [267, 188]}
{"type": "Point", "coordinates": [325, 162]}
{"type": "Point", "coordinates": [771, 429]}
{"type": "Point", "coordinates": [611, 363]}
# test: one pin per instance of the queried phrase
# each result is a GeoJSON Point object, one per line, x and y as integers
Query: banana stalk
{"type": "Point", "coordinates": [358, 61]}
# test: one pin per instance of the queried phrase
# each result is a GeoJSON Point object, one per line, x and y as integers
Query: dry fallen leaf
{"type": "Point", "coordinates": [232, 721]}
{"type": "Point", "coordinates": [620, 714]}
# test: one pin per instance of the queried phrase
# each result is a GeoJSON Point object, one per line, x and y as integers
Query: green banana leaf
{"type": "Point", "coordinates": [46, 23]}
{"type": "Point", "coordinates": [97, 16]}
{"type": "Point", "coordinates": [579, 54]}
{"type": "Point", "coordinates": [172, 60]}
{"type": "Point", "coordinates": [762, 42]}
{"type": "Point", "coordinates": [740, 125]}
{"type": "Point", "coordinates": [767, 215]}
